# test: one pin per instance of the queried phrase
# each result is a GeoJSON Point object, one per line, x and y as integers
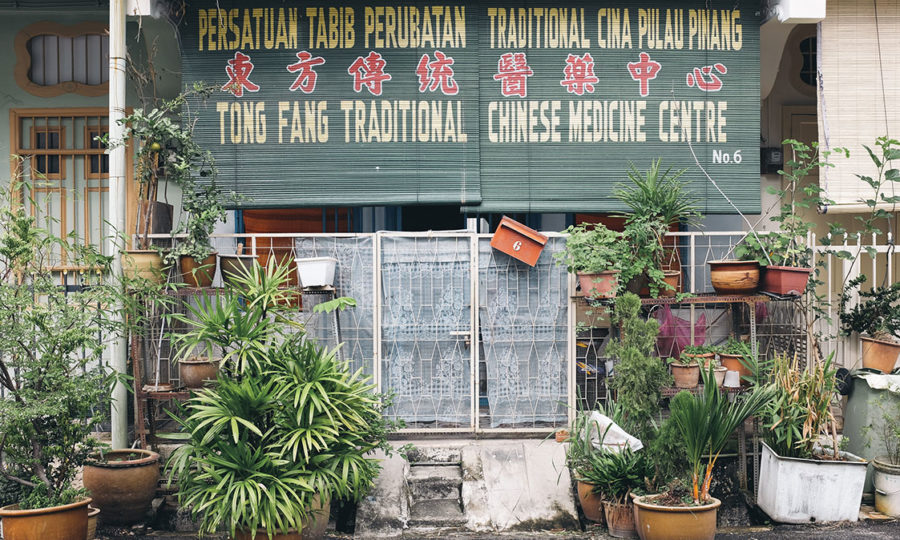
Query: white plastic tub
{"type": "Point", "coordinates": [316, 271]}
{"type": "Point", "coordinates": [793, 490]}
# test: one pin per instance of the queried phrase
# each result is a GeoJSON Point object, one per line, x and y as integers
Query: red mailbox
{"type": "Point", "coordinates": [518, 241]}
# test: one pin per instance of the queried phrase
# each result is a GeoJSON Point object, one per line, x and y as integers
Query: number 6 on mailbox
{"type": "Point", "coordinates": [518, 241]}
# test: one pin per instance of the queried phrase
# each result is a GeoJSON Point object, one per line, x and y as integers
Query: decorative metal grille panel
{"type": "Point", "coordinates": [353, 277]}
{"type": "Point", "coordinates": [523, 314]}
{"type": "Point", "coordinates": [426, 326]}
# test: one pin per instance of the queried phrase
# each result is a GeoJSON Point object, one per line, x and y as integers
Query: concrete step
{"type": "Point", "coordinates": [437, 513]}
{"type": "Point", "coordinates": [434, 482]}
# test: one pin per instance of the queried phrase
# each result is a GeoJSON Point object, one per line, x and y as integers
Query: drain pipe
{"type": "Point", "coordinates": [117, 349]}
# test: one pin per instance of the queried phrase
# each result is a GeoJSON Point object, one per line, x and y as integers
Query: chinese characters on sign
{"type": "Point", "coordinates": [513, 72]}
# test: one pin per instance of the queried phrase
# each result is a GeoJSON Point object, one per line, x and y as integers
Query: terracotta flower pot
{"type": "Point", "coordinates": [686, 376]}
{"type": "Point", "coordinates": [561, 436]}
{"type": "Point", "coordinates": [785, 280]}
{"type": "Point", "coordinates": [197, 371]}
{"type": "Point", "coordinates": [676, 522]}
{"type": "Point", "coordinates": [879, 354]}
{"type": "Point", "coordinates": [600, 285]}
{"type": "Point", "coordinates": [67, 522]}
{"type": "Point", "coordinates": [123, 484]}
{"type": "Point", "coordinates": [672, 279]}
{"type": "Point", "coordinates": [719, 373]}
{"type": "Point", "coordinates": [732, 362]}
{"type": "Point", "coordinates": [701, 359]}
{"type": "Point", "coordinates": [198, 273]}
{"type": "Point", "coordinates": [734, 277]}
{"type": "Point", "coordinates": [143, 264]}
{"type": "Point", "coordinates": [93, 514]}
{"type": "Point", "coordinates": [312, 528]}
{"type": "Point", "coordinates": [591, 503]}
{"type": "Point", "coordinates": [620, 519]}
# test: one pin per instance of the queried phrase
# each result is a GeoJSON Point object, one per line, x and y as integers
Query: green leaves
{"type": "Point", "coordinates": [591, 249]}
{"type": "Point", "coordinates": [286, 421]}
{"type": "Point", "coordinates": [658, 194]}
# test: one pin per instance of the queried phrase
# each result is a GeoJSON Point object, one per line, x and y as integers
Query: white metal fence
{"type": "Point", "coordinates": [469, 339]}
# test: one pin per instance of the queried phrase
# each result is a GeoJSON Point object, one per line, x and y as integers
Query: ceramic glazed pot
{"type": "Point", "coordinates": [123, 484]}
{"type": "Point", "coordinates": [143, 264]}
{"type": "Point", "coordinates": [235, 265]}
{"type": "Point", "coordinates": [676, 522]}
{"type": "Point", "coordinates": [196, 371]}
{"type": "Point", "coordinates": [734, 277]}
{"type": "Point", "coordinates": [600, 285]}
{"type": "Point", "coordinates": [312, 528]}
{"type": "Point", "coordinates": [879, 354]}
{"type": "Point", "coordinates": [785, 280]}
{"type": "Point", "coordinates": [67, 522]}
{"type": "Point", "coordinates": [198, 273]}
{"type": "Point", "coordinates": [686, 376]}
{"type": "Point", "coordinates": [591, 503]}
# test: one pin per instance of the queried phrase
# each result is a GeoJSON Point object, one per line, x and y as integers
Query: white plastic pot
{"type": "Point", "coordinates": [887, 487]}
{"type": "Point", "coordinates": [793, 490]}
{"type": "Point", "coordinates": [316, 271]}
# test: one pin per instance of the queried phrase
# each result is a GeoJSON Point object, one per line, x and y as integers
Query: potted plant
{"type": "Point", "coordinates": [876, 317]}
{"type": "Point", "coordinates": [705, 355]}
{"type": "Point", "coordinates": [657, 200]}
{"type": "Point", "coordinates": [705, 421]}
{"type": "Point", "coordinates": [784, 254]}
{"type": "Point", "coordinates": [733, 356]}
{"type": "Point", "coordinates": [799, 481]}
{"type": "Point", "coordinates": [286, 428]}
{"type": "Point", "coordinates": [614, 475]}
{"type": "Point", "coordinates": [887, 467]}
{"type": "Point", "coordinates": [204, 208]}
{"type": "Point", "coordinates": [639, 375]}
{"type": "Point", "coordinates": [685, 371]}
{"type": "Point", "coordinates": [56, 392]}
{"type": "Point", "coordinates": [579, 436]}
{"type": "Point", "coordinates": [595, 254]}
{"type": "Point", "coordinates": [165, 151]}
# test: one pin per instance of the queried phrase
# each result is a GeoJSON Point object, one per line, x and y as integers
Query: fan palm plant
{"type": "Point", "coordinates": [286, 427]}
{"type": "Point", "coordinates": [706, 421]}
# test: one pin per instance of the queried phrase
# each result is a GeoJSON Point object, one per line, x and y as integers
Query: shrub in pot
{"type": "Point", "coordinates": [705, 421]}
{"type": "Point", "coordinates": [657, 199]}
{"type": "Point", "coordinates": [614, 475]}
{"type": "Point", "coordinates": [639, 375]}
{"type": "Point", "coordinates": [799, 482]}
{"type": "Point", "coordinates": [286, 428]}
{"type": "Point", "coordinates": [204, 208]}
{"type": "Point", "coordinates": [56, 392]}
{"type": "Point", "coordinates": [876, 317]}
{"type": "Point", "coordinates": [736, 355]}
{"type": "Point", "coordinates": [595, 254]}
{"type": "Point", "coordinates": [165, 152]}
{"type": "Point", "coordinates": [784, 254]}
